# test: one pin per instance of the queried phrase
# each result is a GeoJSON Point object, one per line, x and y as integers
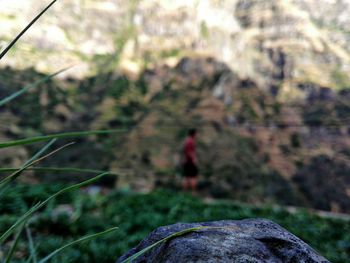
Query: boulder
{"type": "Point", "coordinates": [249, 240]}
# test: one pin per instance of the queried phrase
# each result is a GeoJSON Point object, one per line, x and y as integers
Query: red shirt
{"type": "Point", "coordinates": [190, 150]}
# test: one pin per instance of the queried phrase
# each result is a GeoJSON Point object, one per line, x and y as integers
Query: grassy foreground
{"type": "Point", "coordinates": [83, 212]}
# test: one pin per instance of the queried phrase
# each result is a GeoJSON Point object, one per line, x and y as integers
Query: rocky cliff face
{"type": "Point", "coordinates": [251, 146]}
{"type": "Point", "coordinates": [249, 141]}
{"type": "Point", "coordinates": [277, 43]}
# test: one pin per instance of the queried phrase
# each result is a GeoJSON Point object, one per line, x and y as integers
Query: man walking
{"type": "Point", "coordinates": [190, 169]}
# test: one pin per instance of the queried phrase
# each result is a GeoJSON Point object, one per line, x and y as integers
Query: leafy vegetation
{"type": "Point", "coordinates": [319, 172]}
{"type": "Point", "coordinates": [152, 114]}
{"type": "Point", "coordinates": [13, 42]}
{"type": "Point", "coordinates": [84, 212]}
{"type": "Point", "coordinates": [20, 222]}
{"type": "Point", "coordinates": [54, 219]}
{"type": "Point", "coordinates": [341, 79]}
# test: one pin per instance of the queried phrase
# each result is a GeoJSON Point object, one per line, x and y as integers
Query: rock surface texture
{"type": "Point", "coordinates": [249, 240]}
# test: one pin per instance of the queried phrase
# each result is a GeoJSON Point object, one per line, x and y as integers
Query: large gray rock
{"type": "Point", "coordinates": [250, 240]}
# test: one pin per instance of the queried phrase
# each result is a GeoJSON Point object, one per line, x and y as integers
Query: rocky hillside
{"type": "Point", "coordinates": [277, 43]}
{"type": "Point", "coordinates": [252, 147]}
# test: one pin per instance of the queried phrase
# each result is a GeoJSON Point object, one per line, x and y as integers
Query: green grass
{"type": "Point", "coordinates": [13, 42]}
{"type": "Point", "coordinates": [19, 222]}
{"type": "Point", "coordinates": [138, 214]}
{"type": "Point", "coordinates": [56, 136]}
{"type": "Point", "coordinates": [50, 230]}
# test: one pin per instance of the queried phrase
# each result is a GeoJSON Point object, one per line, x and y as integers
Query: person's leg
{"type": "Point", "coordinates": [193, 183]}
{"type": "Point", "coordinates": [186, 184]}
{"type": "Point", "coordinates": [194, 178]}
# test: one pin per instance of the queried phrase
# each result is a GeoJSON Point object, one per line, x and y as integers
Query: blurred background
{"type": "Point", "coordinates": [265, 82]}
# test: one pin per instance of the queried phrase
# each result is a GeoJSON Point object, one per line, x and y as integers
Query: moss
{"type": "Point", "coordinates": [204, 31]}
{"type": "Point", "coordinates": [170, 53]}
{"type": "Point", "coordinates": [295, 140]}
{"type": "Point", "coordinates": [340, 79]}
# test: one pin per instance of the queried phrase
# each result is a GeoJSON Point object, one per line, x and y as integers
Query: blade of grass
{"type": "Point", "coordinates": [83, 239]}
{"type": "Point", "coordinates": [19, 222]}
{"type": "Point", "coordinates": [13, 42]}
{"type": "Point", "coordinates": [58, 136]}
{"type": "Point", "coordinates": [51, 153]}
{"type": "Point", "coordinates": [30, 86]}
{"type": "Point", "coordinates": [36, 207]}
{"type": "Point", "coordinates": [14, 246]}
{"type": "Point", "coordinates": [143, 251]}
{"type": "Point", "coordinates": [35, 159]}
{"type": "Point", "coordinates": [54, 169]}
{"type": "Point", "coordinates": [30, 258]}
{"type": "Point", "coordinates": [31, 245]}
{"type": "Point", "coordinates": [39, 153]}
{"type": "Point", "coordinates": [14, 175]}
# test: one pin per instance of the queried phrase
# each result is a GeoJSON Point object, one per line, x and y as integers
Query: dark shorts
{"type": "Point", "coordinates": [190, 170]}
